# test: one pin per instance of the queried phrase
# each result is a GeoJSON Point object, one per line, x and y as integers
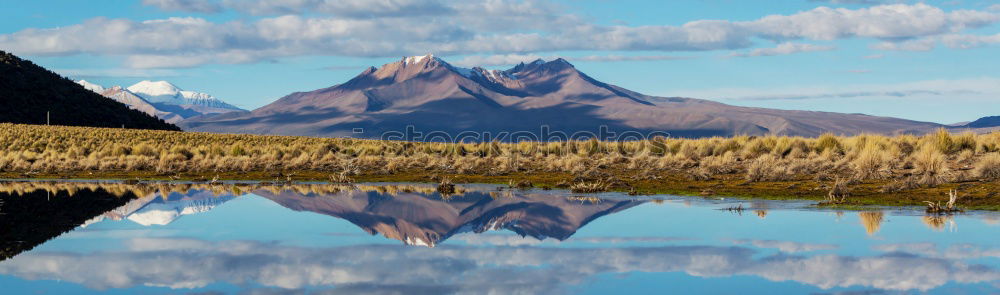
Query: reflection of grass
{"type": "Point", "coordinates": [936, 222]}
{"type": "Point", "coordinates": [901, 170]}
{"type": "Point", "coordinates": [871, 220]}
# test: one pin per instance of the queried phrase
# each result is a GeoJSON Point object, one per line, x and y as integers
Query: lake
{"type": "Point", "coordinates": [77, 237]}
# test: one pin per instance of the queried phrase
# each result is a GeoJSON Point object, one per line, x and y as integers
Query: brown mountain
{"type": "Point", "coordinates": [426, 220]}
{"type": "Point", "coordinates": [29, 94]}
{"type": "Point", "coordinates": [432, 95]}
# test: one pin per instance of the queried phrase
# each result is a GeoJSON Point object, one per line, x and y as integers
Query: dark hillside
{"type": "Point", "coordinates": [28, 91]}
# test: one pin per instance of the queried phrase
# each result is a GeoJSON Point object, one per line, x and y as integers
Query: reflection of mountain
{"type": "Point", "coordinates": [29, 219]}
{"type": "Point", "coordinates": [419, 219]}
{"type": "Point", "coordinates": [155, 210]}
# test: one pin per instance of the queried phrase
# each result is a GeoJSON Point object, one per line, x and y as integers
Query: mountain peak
{"type": "Point", "coordinates": [417, 59]}
{"type": "Point", "coordinates": [155, 88]}
{"type": "Point", "coordinates": [91, 86]}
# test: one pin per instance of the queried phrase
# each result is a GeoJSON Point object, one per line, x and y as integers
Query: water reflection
{"type": "Point", "coordinates": [426, 219]}
{"type": "Point", "coordinates": [194, 263]}
{"type": "Point", "coordinates": [31, 217]}
{"type": "Point", "coordinates": [872, 221]}
{"type": "Point", "coordinates": [546, 255]}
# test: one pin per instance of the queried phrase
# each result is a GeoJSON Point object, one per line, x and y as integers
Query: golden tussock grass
{"type": "Point", "coordinates": [901, 163]}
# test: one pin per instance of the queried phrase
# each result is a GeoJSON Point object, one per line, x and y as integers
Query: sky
{"type": "Point", "coordinates": [933, 61]}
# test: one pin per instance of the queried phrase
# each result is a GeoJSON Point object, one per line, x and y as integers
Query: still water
{"type": "Point", "coordinates": [83, 238]}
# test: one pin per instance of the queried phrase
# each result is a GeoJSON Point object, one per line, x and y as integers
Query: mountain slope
{"type": "Point", "coordinates": [128, 98]}
{"type": "Point", "coordinates": [432, 95]}
{"type": "Point", "coordinates": [984, 122]}
{"type": "Point", "coordinates": [28, 92]}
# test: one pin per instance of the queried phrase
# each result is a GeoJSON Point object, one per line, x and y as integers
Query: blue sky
{"type": "Point", "coordinates": [931, 61]}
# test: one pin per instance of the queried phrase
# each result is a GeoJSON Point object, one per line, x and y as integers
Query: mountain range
{"type": "Point", "coordinates": [432, 95]}
{"type": "Point", "coordinates": [427, 220]}
{"type": "Point", "coordinates": [30, 94]}
{"type": "Point", "coordinates": [163, 100]}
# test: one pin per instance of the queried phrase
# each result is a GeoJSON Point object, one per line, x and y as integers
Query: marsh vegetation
{"type": "Point", "coordinates": [843, 170]}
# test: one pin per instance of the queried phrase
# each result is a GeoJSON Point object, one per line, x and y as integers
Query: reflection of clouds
{"type": "Point", "coordinates": [992, 220]}
{"type": "Point", "coordinates": [496, 240]}
{"type": "Point", "coordinates": [515, 240]}
{"type": "Point", "coordinates": [956, 251]}
{"type": "Point", "coordinates": [787, 246]}
{"type": "Point", "coordinates": [186, 263]}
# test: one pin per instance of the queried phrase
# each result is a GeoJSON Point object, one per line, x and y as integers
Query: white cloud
{"type": "Point", "coordinates": [785, 49]}
{"type": "Point", "coordinates": [513, 59]}
{"type": "Point", "coordinates": [614, 58]}
{"type": "Point", "coordinates": [116, 72]}
{"type": "Point", "coordinates": [188, 263]}
{"type": "Point", "coordinates": [204, 6]}
{"type": "Point", "coordinates": [875, 56]}
{"type": "Point", "coordinates": [976, 88]}
{"type": "Point", "coordinates": [349, 8]}
{"type": "Point", "coordinates": [498, 60]}
{"type": "Point", "coordinates": [787, 246]}
{"type": "Point", "coordinates": [885, 21]}
{"type": "Point", "coordinates": [909, 45]}
{"type": "Point", "coordinates": [954, 41]}
{"type": "Point", "coordinates": [499, 27]}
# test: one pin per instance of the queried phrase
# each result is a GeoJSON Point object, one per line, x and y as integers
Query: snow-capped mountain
{"type": "Point", "coordinates": [155, 210]}
{"type": "Point", "coordinates": [91, 86]}
{"type": "Point", "coordinates": [165, 92]}
{"type": "Point", "coordinates": [163, 100]}
{"type": "Point", "coordinates": [163, 213]}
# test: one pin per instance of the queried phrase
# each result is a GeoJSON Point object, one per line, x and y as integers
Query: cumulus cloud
{"type": "Point", "coordinates": [955, 41]}
{"type": "Point", "coordinates": [203, 6]}
{"type": "Point", "coordinates": [884, 22]}
{"type": "Point", "coordinates": [976, 88]}
{"type": "Point", "coordinates": [787, 246]}
{"type": "Point", "coordinates": [505, 28]}
{"type": "Point", "coordinates": [498, 60]}
{"type": "Point", "coordinates": [189, 263]}
{"type": "Point", "coordinates": [956, 251]}
{"type": "Point", "coordinates": [349, 8]}
{"type": "Point", "coordinates": [785, 49]}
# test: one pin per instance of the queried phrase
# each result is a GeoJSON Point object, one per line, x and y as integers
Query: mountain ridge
{"type": "Point", "coordinates": [432, 95]}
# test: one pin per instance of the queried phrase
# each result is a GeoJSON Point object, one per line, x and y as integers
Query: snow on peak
{"type": "Point", "coordinates": [416, 59]}
{"type": "Point", "coordinates": [165, 92]}
{"type": "Point", "coordinates": [417, 241]}
{"type": "Point", "coordinates": [493, 75]}
{"type": "Point", "coordinates": [91, 86]}
{"type": "Point", "coordinates": [538, 61]}
{"type": "Point", "coordinates": [155, 89]}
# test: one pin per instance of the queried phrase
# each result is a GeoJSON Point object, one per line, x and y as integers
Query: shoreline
{"type": "Point", "coordinates": [975, 195]}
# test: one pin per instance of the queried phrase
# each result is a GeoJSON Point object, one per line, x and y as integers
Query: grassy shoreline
{"type": "Point", "coordinates": [835, 170]}
{"type": "Point", "coordinates": [976, 195]}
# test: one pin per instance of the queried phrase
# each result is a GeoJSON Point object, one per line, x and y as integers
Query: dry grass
{"type": "Point", "coordinates": [909, 161]}
{"type": "Point", "coordinates": [590, 186]}
{"type": "Point", "coordinates": [988, 167]}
